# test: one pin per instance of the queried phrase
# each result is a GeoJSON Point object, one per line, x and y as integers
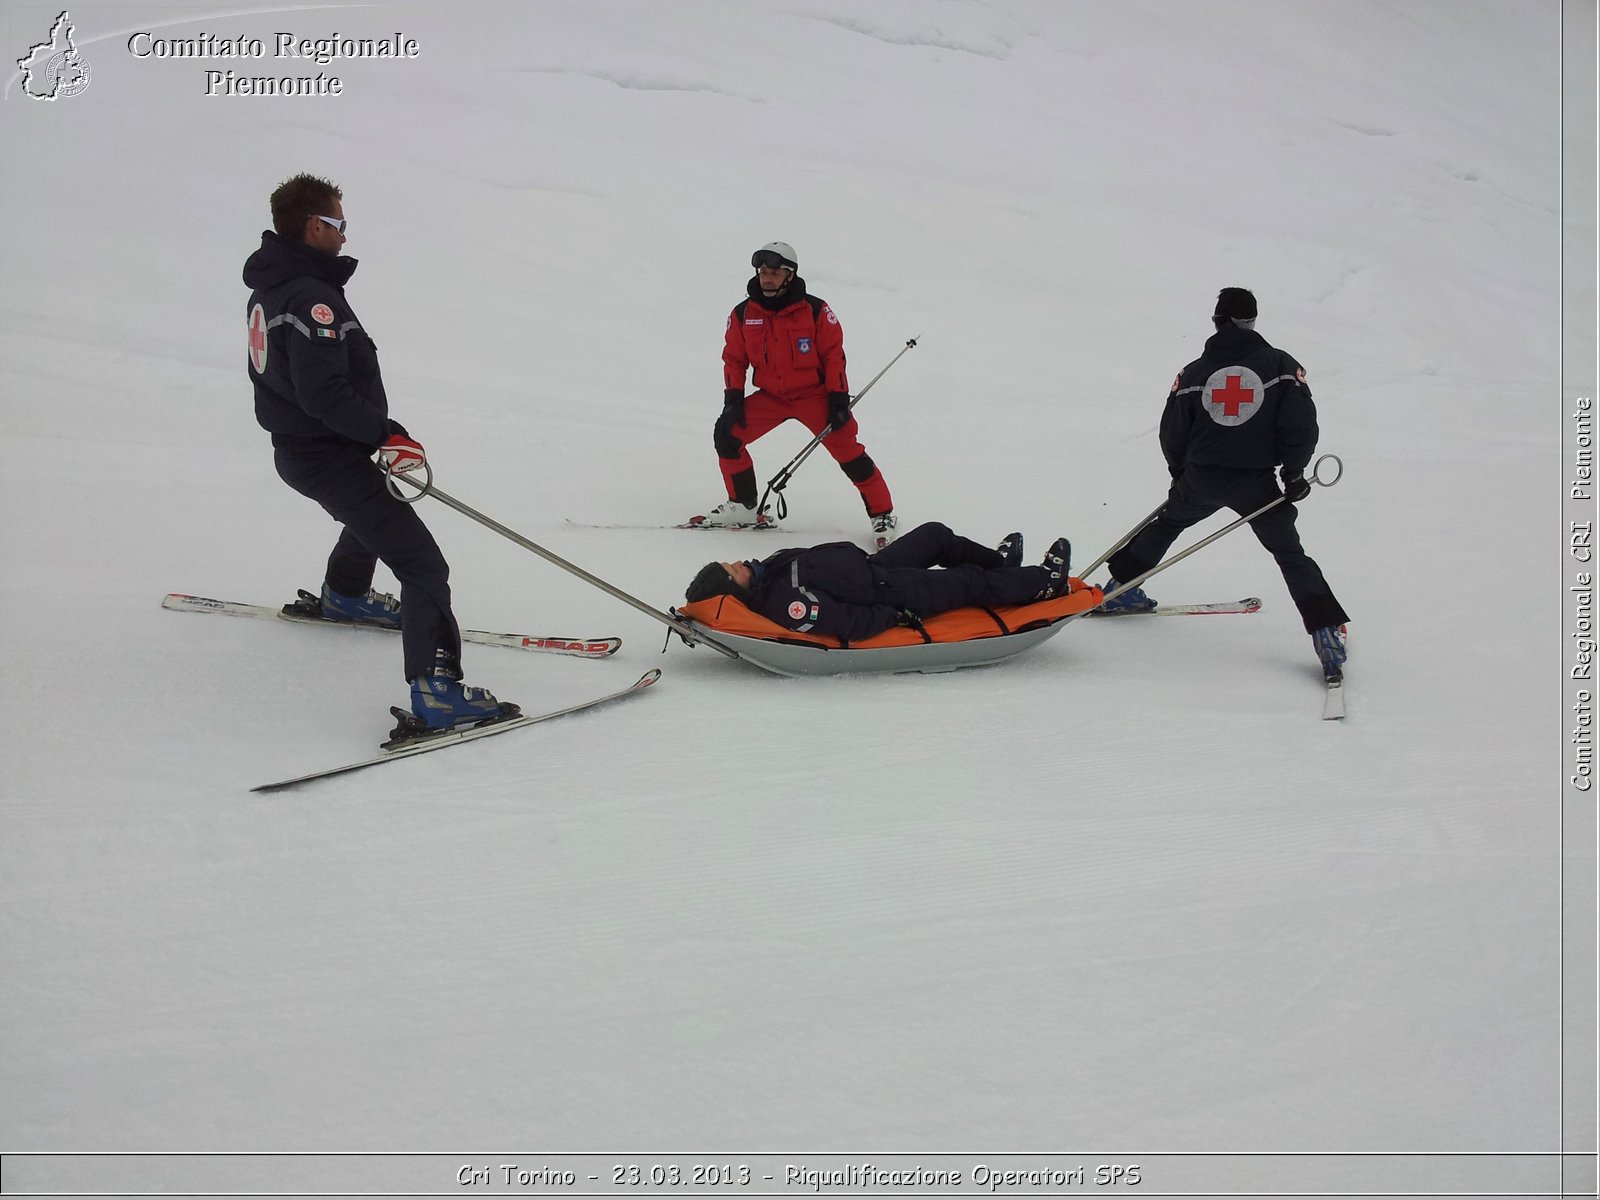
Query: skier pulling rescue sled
{"type": "Point", "coordinates": [319, 393]}
{"type": "Point", "coordinates": [1239, 410]}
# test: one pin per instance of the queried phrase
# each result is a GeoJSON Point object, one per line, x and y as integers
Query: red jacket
{"type": "Point", "coordinates": [797, 349]}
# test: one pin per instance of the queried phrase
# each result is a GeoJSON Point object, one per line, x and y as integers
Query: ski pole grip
{"type": "Point", "coordinates": [426, 486]}
{"type": "Point", "coordinates": [1338, 470]}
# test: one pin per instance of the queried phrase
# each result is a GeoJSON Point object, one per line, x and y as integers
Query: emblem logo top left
{"type": "Point", "coordinates": [53, 69]}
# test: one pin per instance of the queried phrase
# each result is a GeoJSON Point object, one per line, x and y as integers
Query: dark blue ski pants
{"type": "Point", "coordinates": [973, 575]}
{"type": "Point", "coordinates": [1201, 491]}
{"type": "Point", "coordinates": [350, 487]}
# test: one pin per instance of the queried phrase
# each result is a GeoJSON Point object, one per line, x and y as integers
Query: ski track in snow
{"type": "Point", "coordinates": [644, 83]}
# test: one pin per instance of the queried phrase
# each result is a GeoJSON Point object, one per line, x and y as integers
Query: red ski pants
{"type": "Point", "coordinates": [763, 413]}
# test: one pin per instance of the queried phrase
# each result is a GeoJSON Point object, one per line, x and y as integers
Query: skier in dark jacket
{"type": "Point", "coordinates": [1236, 412]}
{"type": "Point", "coordinates": [319, 392]}
{"type": "Point", "coordinates": [839, 590]}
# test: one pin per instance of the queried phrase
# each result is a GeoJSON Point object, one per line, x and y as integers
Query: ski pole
{"type": "Point", "coordinates": [1316, 478]}
{"type": "Point", "coordinates": [1123, 540]}
{"type": "Point", "coordinates": [781, 480]}
{"type": "Point", "coordinates": [426, 488]}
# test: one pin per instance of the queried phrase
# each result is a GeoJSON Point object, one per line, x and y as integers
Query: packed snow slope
{"type": "Point", "coordinates": [1127, 890]}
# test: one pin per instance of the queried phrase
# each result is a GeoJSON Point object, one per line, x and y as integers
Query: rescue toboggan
{"type": "Point", "coordinates": [963, 637]}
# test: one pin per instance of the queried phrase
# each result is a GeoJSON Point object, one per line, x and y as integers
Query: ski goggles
{"type": "Point", "coordinates": [770, 260]}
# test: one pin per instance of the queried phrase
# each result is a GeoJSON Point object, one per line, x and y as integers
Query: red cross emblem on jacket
{"type": "Point", "coordinates": [1233, 395]}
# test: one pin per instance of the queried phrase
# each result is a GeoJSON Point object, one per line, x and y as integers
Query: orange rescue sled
{"type": "Point", "coordinates": [963, 637]}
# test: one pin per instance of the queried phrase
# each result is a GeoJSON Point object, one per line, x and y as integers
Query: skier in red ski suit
{"type": "Point", "coordinates": [792, 342]}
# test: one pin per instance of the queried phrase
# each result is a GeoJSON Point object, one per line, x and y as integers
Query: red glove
{"type": "Point", "coordinates": [400, 453]}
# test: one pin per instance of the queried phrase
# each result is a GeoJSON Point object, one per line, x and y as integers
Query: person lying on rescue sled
{"type": "Point", "coordinates": [839, 590]}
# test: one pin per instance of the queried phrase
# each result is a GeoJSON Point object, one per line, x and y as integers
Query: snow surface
{"type": "Point", "coordinates": [1125, 891]}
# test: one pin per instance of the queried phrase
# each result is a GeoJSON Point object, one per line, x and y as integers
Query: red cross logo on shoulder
{"type": "Point", "coordinates": [1233, 395]}
{"type": "Point", "coordinates": [258, 340]}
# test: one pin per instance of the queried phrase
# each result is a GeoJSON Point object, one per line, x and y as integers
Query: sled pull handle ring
{"type": "Point", "coordinates": [426, 486]}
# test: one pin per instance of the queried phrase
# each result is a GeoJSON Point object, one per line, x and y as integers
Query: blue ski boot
{"type": "Point", "coordinates": [1331, 649]}
{"type": "Point", "coordinates": [439, 700]}
{"type": "Point", "coordinates": [1131, 601]}
{"type": "Point", "coordinates": [1010, 548]}
{"type": "Point", "coordinates": [375, 608]}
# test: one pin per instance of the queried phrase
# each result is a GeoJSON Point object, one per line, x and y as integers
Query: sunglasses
{"type": "Point", "coordinates": [337, 222]}
{"type": "Point", "coordinates": [769, 260]}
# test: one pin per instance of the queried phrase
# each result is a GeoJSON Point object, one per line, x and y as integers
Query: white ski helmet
{"type": "Point", "coordinates": [781, 251]}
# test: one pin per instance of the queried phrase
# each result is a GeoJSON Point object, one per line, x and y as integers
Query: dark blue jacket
{"type": "Point", "coordinates": [1241, 404]}
{"type": "Point", "coordinates": [830, 589]}
{"type": "Point", "coordinates": [314, 368]}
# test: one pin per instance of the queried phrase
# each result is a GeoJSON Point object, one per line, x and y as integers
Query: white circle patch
{"type": "Point", "coordinates": [322, 314]}
{"type": "Point", "coordinates": [1232, 395]}
{"type": "Point", "coordinates": [257, 331]}
{"type": "Point", "coordinates": [797, 610]}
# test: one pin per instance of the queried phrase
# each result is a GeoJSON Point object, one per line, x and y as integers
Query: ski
{"type": "Point", "coordinates": [1249, 604]}
{"type": "Point", "coordinates": [306, 611]}
{"type": "Point", "coordinates": [611, 525]}
{"type": "Point", "coordinates": [691, 523]}
{"type": "Point", "coordinates": [1333, 682]}
{"type": "Point", "coordinates": [424, 743]}
{"type": "Point", "coordinates": [1333, 698]}
{"type": "Point", "coordinates": [752, 526]}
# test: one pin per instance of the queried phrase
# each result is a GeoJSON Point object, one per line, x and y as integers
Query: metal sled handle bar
{"type": "Point", "coordinates": [1316, 478]}
{"type": "Point", "coordinates": [781, 480]}
{"type": "Point", "coordinates": [1085, 572]}
{"type": "Point", "coordinates": [690, 636]}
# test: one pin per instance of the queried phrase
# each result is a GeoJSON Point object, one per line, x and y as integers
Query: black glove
{"type": "Point", "coordinates": [908, 618]}
{"type": "Point", "coordinates": [838, 409]}
{"type": "Point", "coordinates": [1296, 487]}
{"type": "Point", "coordinates": [733, 407]}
